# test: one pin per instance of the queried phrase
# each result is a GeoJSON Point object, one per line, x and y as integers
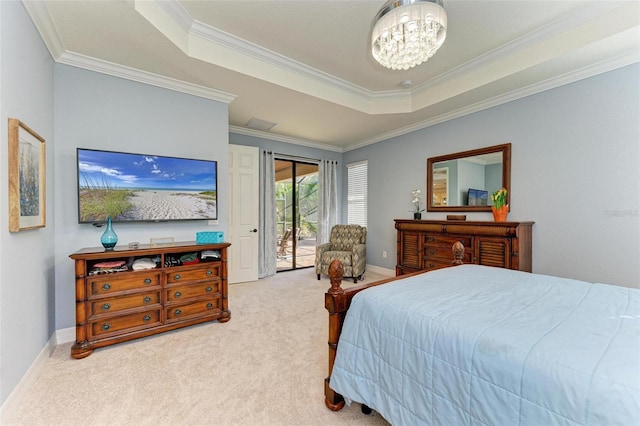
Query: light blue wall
{"type": "Point", "coordinates": [575, 172]}
{"type": "Point", "coordinates": [470, 175]}
{"type": "Point", "coordinates": [493, 178]}
{"type": "Point", "coordinates": [27, 257]}
{"type": "Point", "coordinates": [98, 111]}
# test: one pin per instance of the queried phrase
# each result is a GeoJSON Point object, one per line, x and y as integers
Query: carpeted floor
{"type": "Point", "coordinates": [264, 367]}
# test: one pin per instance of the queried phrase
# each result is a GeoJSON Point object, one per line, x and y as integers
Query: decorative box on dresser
{"type": "Point", "coordinates": [426, 244]}
{"type": "Point", "coordinates": [114, 306]}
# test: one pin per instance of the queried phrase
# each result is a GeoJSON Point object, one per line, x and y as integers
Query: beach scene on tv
{"type": "Point", "coordinates": [136, 187]}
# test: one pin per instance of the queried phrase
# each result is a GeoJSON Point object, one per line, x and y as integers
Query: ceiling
{"type": "Point", "coordinates": [305, 65]}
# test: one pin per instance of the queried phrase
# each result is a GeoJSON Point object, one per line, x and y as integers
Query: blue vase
{"type": "Point", "coordinates": [109, 238]}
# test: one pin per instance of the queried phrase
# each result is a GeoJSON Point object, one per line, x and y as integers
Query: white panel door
{"type": "Point", "coordinates": [243, 213]}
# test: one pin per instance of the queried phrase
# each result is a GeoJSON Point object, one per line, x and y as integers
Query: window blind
{"type": "Point", "coordinates": [357, 193]}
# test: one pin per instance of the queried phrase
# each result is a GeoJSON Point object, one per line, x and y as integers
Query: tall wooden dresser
{"type": "Point", "coordinates": [426, 244]}
{"type": "Point", "coordinates": [182, 284]}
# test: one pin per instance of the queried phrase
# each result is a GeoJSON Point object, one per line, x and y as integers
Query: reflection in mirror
{"type": "Point", "coordinates": [440, 185]}
{"type": "Point", "coordinates": [464, 181]}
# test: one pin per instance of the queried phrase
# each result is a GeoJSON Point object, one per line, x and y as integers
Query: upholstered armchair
{"type": "Point", "coordinates": [347, 243]}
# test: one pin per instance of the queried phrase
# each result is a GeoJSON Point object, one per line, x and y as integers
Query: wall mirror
{"type": "Point", "coordinates": [464, 181]}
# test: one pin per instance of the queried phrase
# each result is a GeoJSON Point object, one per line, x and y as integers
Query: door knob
{"type": "Point", "coordinates": [254, 230]}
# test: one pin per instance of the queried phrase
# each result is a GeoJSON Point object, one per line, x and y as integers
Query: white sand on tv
{"type": "Point", "coordinates": [161, 205]}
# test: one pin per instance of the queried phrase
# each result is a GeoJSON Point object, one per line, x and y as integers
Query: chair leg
{"type": "Point", "coordinates": [318, 277]}
{"type": "Point", "coordinates": [355, 280]}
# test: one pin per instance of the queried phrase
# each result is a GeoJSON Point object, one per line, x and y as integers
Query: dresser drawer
{"type": "Point", "coordinates": [194, 274]}
{"type": "Point", "coordinates": [113, 283]}
{"type": "Point", "coordinates": [200, 308]}
{"type": "Point", "coordinates": [430, 265]}
{"type": "Point", "coordinates": [115, 304]}
{"type": "Point", "coordinates": [446, 240]}
{"type": "Point", "coordinates": [443, 254]}
{"type": "Point", "coordinates": [138, 320]}
{"type": "Point", "coordinates": [183, 292]}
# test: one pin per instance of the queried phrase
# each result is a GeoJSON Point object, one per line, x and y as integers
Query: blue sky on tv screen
{"type": "Point", "coordinates": [119, 170]}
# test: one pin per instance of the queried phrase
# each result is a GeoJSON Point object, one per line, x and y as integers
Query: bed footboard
{"type": "Point", "coordinates": [337, 301]}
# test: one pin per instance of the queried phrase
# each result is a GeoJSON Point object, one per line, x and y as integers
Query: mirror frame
{"type": "Point", "coordinates": [505, 149]}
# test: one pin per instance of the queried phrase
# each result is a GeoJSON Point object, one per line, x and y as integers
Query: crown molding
{"type": "Point", "coordinates": [116, 70]}
{"type": "Point", "coordinates": [627, 58]}
{"type": "Point", "coordinates": [39, 14]}
{"type": "Point", "coordinates": [199, 40]}
{"type": "Point", "coordinates": [41, 18]}
{"type": "Point", "coordinates": [280, 138]}
{"type": "Point", "coordinates": [210, 44]}
{"type": "Point", "coordinates": [342, 93]}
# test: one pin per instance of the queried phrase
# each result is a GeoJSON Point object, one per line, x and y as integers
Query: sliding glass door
{"type": "Point", "coordinates": [296, 213]}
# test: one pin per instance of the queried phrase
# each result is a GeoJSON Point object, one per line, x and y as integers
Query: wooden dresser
{"type": "Point", "coordinates": [119, 303]}
{"type": "Point", "coordinates": [426, 244]}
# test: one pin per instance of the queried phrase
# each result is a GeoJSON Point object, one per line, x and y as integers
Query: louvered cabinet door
{"type": "Point", "coordinates": [409, 252]}
{"type": "Point", "coordinates": [493, 252]}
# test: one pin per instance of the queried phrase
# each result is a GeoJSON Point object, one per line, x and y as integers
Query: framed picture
{"type": "Point", "coordinates": [27, 173]}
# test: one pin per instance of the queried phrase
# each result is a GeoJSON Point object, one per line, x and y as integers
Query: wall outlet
{"type": "Point", "coordinates": [212, 222]}
{"type": "Point", "coordinates": [384, 254]}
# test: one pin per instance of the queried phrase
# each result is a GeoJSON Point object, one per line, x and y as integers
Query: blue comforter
{"type": "Point", "coordinates": [473, 345]}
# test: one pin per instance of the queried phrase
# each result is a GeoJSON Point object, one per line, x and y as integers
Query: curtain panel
{"type": "Point", "coordinates": [327, 200]}
{"type": "Point", "coordinates": [267, 237]}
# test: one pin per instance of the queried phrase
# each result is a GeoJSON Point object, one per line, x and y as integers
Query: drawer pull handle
{"type": "Point", "coordinates": [177, 277]}
{"type": "Point", "coordinates": [209, 305]}
{"type": "Point", "coordinates": [147, 318]}
{"type": "Point", "coordinates": [106, 286]}
{"type": "Point", "coordinates": [431, 265]}
{"type": "Point", "coordinates": [147, 299]}
{"type": "Point", "coordinates": [177, 312]}
{"type": "Point", "coordinates": [431, 239]}
{"type": "Point", "coordinates": [106, 307]}
{"type": "Point", "coordinates": [209, 289]}
{"type": "Point", "coordinates": [177, 294]}
{"type": "Point", "coordinates": [209, 273]}
{"type": "Point", "coordinates": [431, 252]}
{"type": "Point", "coordinates": [106, 326]}
{"type": "Point", "coordinates": [147, 280]}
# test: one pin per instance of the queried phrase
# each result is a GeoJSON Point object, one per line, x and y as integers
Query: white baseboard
{"type": "Point", "coordinates": [28, 379]}
{"type": "Point", "coordinates": [381, 270]}
{"type": "Point", "coordinates": [65, 335]}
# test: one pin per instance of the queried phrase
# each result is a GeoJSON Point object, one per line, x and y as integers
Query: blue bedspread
{"type": "Point", "coordinates": [473, 345]}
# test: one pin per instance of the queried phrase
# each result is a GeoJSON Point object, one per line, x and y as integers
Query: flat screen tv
{"type": "Point", "coordinates": [144, 188]}
{"type": "Point", "coordinates": [477, 197]}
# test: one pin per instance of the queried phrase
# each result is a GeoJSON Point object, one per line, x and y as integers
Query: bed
{"type": "Point", "coordinates": [473, 344]}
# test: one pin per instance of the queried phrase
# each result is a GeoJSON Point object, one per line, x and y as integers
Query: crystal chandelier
{"type": "Point", "coordinates": [407, 33]}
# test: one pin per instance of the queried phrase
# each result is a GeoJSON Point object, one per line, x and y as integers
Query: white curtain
{"type": "Point", "coordinates": [267, 236]}
{"type": "Point", "coordinates": [328, 199]}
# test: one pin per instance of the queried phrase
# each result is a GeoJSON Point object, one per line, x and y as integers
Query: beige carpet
{"type": "Point", "coordinates": [264, 367]}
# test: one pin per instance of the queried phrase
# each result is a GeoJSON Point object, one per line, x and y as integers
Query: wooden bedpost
{"type": "Point", "coordinates": [334, 401]}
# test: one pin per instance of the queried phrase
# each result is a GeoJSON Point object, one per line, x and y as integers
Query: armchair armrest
{"type": "Point", "coordinates": [359, 258]}
{"type": "Point", "coordinates": [320, 249]}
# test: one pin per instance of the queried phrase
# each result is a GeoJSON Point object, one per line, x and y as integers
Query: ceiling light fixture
{"type": "Point", "coordinates": [407, 33]}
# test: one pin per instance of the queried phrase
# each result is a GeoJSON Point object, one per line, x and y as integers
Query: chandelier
{"type": "Point", "coordinates": [407, 33]}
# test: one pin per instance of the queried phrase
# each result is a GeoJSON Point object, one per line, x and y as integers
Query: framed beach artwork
{"type": "Point", "coordinates": [27, 170]}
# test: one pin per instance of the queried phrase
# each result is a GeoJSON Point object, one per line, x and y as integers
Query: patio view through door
{"type": "Point", "coordinates": [296, 213]}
